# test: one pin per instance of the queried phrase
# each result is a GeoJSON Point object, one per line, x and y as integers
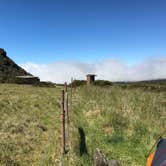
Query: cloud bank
{"type": "Point", "coordinates": [110, 69]}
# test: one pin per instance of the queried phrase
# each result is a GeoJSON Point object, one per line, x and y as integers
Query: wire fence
{"type": "Point", "coordinates": [65, 119]}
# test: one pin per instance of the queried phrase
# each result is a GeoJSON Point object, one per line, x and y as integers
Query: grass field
{"type": "Point", "coordinates": [29, 125]}
{"type": "Point", "coordinates": [123, 123]}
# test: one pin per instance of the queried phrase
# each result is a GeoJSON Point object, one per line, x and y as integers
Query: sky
{"type": "Point", "coordinates": [59, 39]}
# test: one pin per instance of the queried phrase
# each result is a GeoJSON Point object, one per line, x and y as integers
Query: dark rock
{"type": "Point", "coordinates": [9, 69]}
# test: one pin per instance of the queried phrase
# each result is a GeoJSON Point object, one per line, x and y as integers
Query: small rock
{"type": "Point", "coordinates": [113, 163]}
{"type": "Point", "coordinates": [101, 160]}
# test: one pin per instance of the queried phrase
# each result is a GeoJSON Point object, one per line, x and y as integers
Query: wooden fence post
{"type": "Point", "coordinates": [63, 122]}
{"type": "Point", "coordinates": [65, 86]}
{"type": "Point", "coordinates": [67, 107]}
{"type": "Point", "coordinates": [71, 92]}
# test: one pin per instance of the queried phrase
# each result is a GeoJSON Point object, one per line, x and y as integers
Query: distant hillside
{"type": "Point", "coordinates": [156, 81]}
{"type": "Point", "coordinates": [150, 85]}
{"type": "Point", "coordinates": [9, 69]}
{"type": "Point", "coordinates": [159, 81]}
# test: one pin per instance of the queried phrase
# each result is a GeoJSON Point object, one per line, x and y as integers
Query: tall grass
{"type": "Point", "coordinates": [29, 125]}
{"type": "Point", "coordinates": [123, 123]}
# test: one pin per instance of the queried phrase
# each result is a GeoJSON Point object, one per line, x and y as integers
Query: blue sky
{"type": "Point", "coordinates": [58, 39]}
{"type": "Point", "coordinates": [46, 31]}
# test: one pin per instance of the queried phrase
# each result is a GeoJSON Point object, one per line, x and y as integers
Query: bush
{"type": "Point", "coordinates": [78, 83]}
{"type": "Point", "coordinates": [97, 83]}
{"type": "Point", "coordinates": [45, 84]}
{"type": "Point", "coordinates": [102, 83]}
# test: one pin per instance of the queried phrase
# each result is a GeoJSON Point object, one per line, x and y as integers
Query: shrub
{"type": "Point", "coordinates": [102, 83]}
{"type": "Point", "coordinates": [45, 84]}
{"type": "Point", "coordinates": [78, 83]}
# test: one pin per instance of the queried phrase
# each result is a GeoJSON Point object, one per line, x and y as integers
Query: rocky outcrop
{"type": "Point", "coordinates": [9, 69]}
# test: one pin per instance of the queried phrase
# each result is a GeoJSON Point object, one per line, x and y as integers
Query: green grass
{"type": "Point", "coordinates": [123, 123]}
{"type": "Point", "coordinates": [29, 125]}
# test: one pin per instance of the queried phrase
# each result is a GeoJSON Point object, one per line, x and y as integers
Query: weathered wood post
{"type": "Point", "coordinates": [66, 102]}
{"type": "Point", "coordinates": [63, 122]}
{"type": "Point", "coordinates": [71, 90]}
{"type": "Point", "coordinates": [67, 107]}
{"type": "Point", "coordinates": [65, 86]}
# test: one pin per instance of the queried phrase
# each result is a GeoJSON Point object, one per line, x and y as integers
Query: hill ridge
{"type": "Point", "coordinates": [9, 69]}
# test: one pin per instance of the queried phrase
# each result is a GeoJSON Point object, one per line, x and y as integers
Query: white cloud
{"type": "Point", "coordinates": [110, 69]}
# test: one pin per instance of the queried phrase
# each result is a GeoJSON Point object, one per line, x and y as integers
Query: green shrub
{"type": "Point", "coordinates": [76, 83]}
{"type": "Point", "coordinates": [102, 83]}
{"type": "Point", "coordinates": [45, 84]}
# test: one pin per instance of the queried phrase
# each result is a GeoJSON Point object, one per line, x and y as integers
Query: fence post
{"type": "Point", "coordinates": [65, 86]}
{"type": "Point", "coordinates": [63, 122]}
{"type": "Point", "coordinates": [67, 107]}
{"type": "Point", "coordinates": [71, 91]}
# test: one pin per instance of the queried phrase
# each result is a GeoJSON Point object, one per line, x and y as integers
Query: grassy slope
{"type": "Point", "coordinates": [122, 123]}
{"type": "Point", "coordinates": [25, 113]}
